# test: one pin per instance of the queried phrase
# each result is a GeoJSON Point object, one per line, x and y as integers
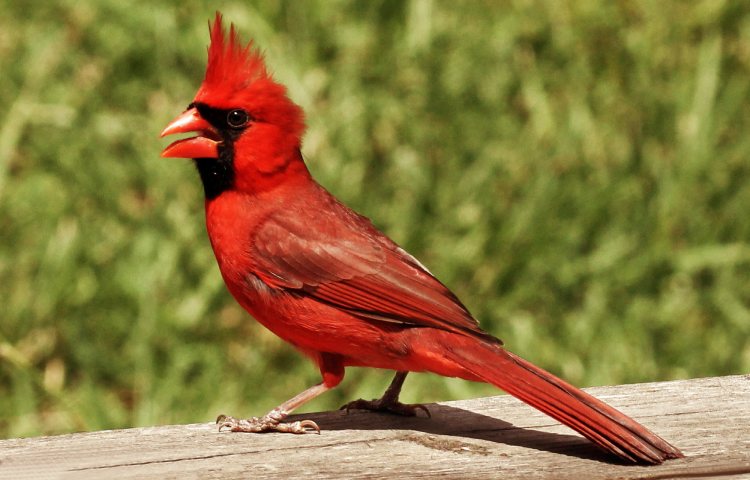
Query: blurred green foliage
{"type": "Point", "coordinates": [577, 171]}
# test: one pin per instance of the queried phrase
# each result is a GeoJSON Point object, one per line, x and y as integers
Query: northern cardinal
{"type": "Point", "coordinates": [324, 279]}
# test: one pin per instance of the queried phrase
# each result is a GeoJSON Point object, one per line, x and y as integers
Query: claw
{"type": "Point", "coordinates": [311, 425]}
{"type": "Point", "coordinates": [423, 408]}
{"type": "Point", "coordinates": [270, 423]}
{"type": "Point", "coordinates": [221, 421]}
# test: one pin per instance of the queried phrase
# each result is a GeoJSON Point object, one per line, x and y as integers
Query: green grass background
{"type": "Point", "coordinates": [577, 171]}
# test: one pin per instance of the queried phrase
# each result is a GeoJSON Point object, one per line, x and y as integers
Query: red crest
{"type": "Point", "coordinates": [232, 66]}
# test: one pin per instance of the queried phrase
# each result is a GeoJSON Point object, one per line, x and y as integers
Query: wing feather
{"type": "Point", "coordinates": [343, 261]}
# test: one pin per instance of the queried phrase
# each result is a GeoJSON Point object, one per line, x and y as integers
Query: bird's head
{"type": "Point", "coordinates": [248, 130]}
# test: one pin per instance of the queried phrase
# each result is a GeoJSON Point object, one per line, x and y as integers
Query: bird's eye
{"type": "Point", "coordinates": [237, 118]}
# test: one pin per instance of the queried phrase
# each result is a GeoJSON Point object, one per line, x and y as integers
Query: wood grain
{"type": "Point", "coordinates": [495, 437]}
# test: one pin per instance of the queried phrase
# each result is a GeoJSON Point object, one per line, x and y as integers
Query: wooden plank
{"type": "Point", "coordinates": [709, 419]}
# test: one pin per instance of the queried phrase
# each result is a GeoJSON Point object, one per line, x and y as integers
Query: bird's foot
{"type": "Point", "coordinates": [271, 422]}
{"type": "Point", "coordinates": [388, 406]}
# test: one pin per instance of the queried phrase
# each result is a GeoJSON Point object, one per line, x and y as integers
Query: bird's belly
{"type": "Point", "coordinates": [313, 326]}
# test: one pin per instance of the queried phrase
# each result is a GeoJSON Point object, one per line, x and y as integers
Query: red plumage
{"type": "Point", "coordinates": [232, 66]}
{"type": "Point", "coordinates": [324, 279]}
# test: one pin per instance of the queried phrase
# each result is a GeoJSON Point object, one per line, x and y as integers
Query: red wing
{"type": "Point", "coordinates": [342, 260]}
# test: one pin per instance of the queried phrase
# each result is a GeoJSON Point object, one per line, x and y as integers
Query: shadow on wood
{"type": "Point", "coordinates": [460, 423]}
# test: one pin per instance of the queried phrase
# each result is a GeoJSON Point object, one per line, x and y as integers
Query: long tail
{"type": "Point", "coordinates": [607, 427]}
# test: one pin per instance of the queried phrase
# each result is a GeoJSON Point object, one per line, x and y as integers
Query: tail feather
{"type": "Point", "coordinates": [604, 425]}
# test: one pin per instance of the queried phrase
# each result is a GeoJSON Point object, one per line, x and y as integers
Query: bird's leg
{"type": "Point", "coordinates": [389, 401]}
{"type": "Point", "coordinates": [273, 421]}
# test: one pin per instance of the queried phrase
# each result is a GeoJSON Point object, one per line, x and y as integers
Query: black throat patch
{"type": "Point", "coordinates": [217, 174]}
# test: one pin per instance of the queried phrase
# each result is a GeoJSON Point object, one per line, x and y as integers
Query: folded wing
{"type": "Point", "coordinates": [343, 261]}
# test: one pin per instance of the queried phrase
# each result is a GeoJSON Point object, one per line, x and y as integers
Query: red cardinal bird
{"type": "Point", "coordinates": [324, 279]}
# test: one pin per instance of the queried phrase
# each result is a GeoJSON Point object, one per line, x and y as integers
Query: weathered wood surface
{"type": "Point", "coordinates": [496, 437]}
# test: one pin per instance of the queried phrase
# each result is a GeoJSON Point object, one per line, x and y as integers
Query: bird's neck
{"type": "Point", "coordinates": [285, 171]}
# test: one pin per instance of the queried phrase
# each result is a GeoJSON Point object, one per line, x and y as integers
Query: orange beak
{"type": "Point", "coordinates": [204, 145]}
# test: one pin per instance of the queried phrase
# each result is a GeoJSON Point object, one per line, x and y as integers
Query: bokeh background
{"type": "Point", "coordinates": [577, 171]}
